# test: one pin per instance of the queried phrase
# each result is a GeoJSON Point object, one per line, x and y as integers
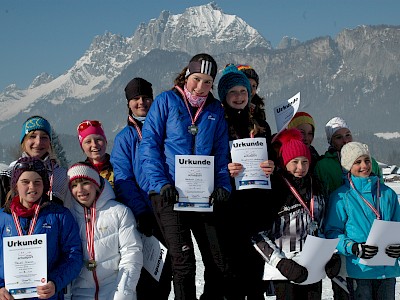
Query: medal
{"type": "Point", "coordinates": [313, 228]}
{"type": "Point", "coordinates": [193, 129]}
{"type": "Point", "coordinates": [91, 264]}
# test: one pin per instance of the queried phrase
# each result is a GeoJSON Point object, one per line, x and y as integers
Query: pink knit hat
{"type": "Point", "coordinates": [292, 145]}
{"type": "Point", "coordinates": [88, 127]}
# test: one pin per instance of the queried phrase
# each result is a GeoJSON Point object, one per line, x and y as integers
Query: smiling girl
{"type": "Point", "coordinates": [111, 244]}
{"type": "Point", "coordinates": [29, 211]}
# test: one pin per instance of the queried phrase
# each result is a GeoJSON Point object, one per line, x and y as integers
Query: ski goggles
{"type": "Point", "coordinates": [36, 166]}
{"type": "Point", "coordinates": [87, 123]}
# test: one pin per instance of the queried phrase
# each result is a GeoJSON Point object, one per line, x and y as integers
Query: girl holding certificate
{"type": "Point", "coordinates": [28, 211]}
{"type": "Point", "coordinates": [299, 205]}
{"type": "Point", "coordinates": [352, 209]}
{"type": "Point", "coordinates": [111, 243]}
{"type": "Point", "coordinates": [250, 205]}
{"type": "Point", "coordinates": [187, 120]}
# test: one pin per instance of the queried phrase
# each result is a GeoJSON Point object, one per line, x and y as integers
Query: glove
{"type": "Point", "coordinates": [332, 267]}
{"type": "Point", "coordinates": [169, 195]}
{"type": "Point", "coordinates": [364, 251]}
{"type": "Point", "coordinates": [393, 250]}
{"type": "Point", "coordinates": [292, 270]}
{"type": "Point", "coordinates": [145, 223]}
{"type": "Point", "coordinates": [219, 195]}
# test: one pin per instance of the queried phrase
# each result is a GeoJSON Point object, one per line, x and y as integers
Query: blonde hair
{"type": "Point", "coordinates": [49, 151]}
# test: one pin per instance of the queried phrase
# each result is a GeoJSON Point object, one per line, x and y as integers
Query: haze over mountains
{"type": "Point", "coordinates": [355, 74]}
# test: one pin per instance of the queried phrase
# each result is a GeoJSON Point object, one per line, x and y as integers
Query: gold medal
{"type": "Point", "coordinates": [193, 129]}
{"type": "Point", "coordinates": [90, 264]}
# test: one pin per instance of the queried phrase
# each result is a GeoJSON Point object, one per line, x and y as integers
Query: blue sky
{"type": "Point", "coordinates": [50, 35]}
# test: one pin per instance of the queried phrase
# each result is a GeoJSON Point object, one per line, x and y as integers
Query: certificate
{"type": "Point", "coordinates": [25, 264]}
{"type": "Point", "coordinates": [382, 234]}
{"type": "Point", "coordinates": [194, 180]}
{"type": "Point", "coordinates": [154, 254]}
{"type": "Point", "coordinates": [285, 112]}
{"type": "Point", "coordinates": [250, 153]}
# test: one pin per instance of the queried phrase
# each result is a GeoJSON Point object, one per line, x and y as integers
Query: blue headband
{"type": "Point", "coordinates": [35, 123]}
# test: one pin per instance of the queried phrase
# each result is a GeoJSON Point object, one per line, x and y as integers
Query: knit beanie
{"type": "Point", "coordinates": [88, 127]}
{"type": "Point", "coordinates": [30, 164]}
{"type": "Point", "coordinates": [35, 123]}
{"type": "Point", "coordinates": [137, 87]}
{"type": "Point", "coordinates": [301, 118]}
{"type": "Point", "coordinates": [84, 171]}
{"type": "Point", "coordinates": [350, 152]}
{"type": "Point", "coordinates": [334, 125]}
{"type": "Point", "coordinates": [292, 145]}
{"type": "Point", "coordinates": [200, 64]}
{"type": "Point", "coordinates": [232, 77]}
{"type": "Point", "coordinates": [249, 72]}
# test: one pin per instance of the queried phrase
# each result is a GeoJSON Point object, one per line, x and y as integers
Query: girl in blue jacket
{"type": "Point", "coordinates": [28, 211]}
{"type": "Point", "coordinates": [187, 120]}
{"type": "Point", "coordinates": [352, 210]}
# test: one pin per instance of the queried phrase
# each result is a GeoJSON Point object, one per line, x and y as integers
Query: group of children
{"type": "Point", "coordinates": [252, 235]}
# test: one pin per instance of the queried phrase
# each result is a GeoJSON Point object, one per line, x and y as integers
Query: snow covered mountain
{"type": "Point", "coordinates": [109, 54]}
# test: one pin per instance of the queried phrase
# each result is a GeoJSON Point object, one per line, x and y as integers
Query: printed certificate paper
{"type": "Point", "coordinates": [194, 180]}
{"type": "Point", "coordinates": [285, 112]}
{"type": "Point", "coordinates": [154, 255]}
{"type": "Point", "coordinates": [25, 264]}
{"type": "Point", "coordinates": [250, 153]}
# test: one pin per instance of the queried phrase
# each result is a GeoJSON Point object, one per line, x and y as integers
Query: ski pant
{"type": "Point", "coordinates": [285, 290]}
{"type": "Point", "coordinates": [176, 227]}
{"type": "Point", "coordinates": [374, 289]}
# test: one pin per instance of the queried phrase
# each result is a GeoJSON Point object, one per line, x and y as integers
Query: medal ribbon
{"type": "Point", "coordinates": [90, 224]}
{"type": "Point", "coordinates": [132, 120]}
{"type": "Point", "coordinates": [374, 210]}
{"type": "Point", "coordinates": [298, 197]}
{"type": "Point", "coordinates": [33, 222]}
{"type": "Point", "coordinates": [187, 106]}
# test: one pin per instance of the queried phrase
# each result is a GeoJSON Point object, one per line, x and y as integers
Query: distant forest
{"type": "Point", "coordinates": [385, 151]}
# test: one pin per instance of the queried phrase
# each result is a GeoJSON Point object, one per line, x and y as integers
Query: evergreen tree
{"type": "Point", "coordinates": [58, 150]}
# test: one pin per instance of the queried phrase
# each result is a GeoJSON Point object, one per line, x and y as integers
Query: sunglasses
{"type": "Point", "coordinates": [36, 166]}
{"type": "Point", "coordinates": [87, 123]}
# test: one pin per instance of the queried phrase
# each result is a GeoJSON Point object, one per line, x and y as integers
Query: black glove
{"type": "Point", "coordinates": [393, 250]}
{"type": "Point", "coordinates": [219, 195]}
{"type": "Point", "coordinates": [169, 195]}
{"type": "Point", "coordinates": [292, 270]}
{"type": "Point", "coordinates": [145, 223]}
{"type": "Point", "coordinates": [364, 251]}
{"type": "Point", "coordinates": [332, 267]}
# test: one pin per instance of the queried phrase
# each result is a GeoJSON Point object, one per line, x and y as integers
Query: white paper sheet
{"type": "Point", "coordinates": [194, 180]}
{"type": "Point", "coordinates": [250, 153]}
{"type": "Point", "coordinates": [285, 112]}
{"type": "Point", "coordinates": [382, 234]}
{"type": "Point", "coordinates": [25, 264]}
{"type": "Point", "coordinates": [314, 256]}
{"type": "Point", "coordinates": [154, 254]}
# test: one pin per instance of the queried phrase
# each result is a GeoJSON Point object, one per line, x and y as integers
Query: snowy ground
{"type": "Point", "coordinates": [326, 283]}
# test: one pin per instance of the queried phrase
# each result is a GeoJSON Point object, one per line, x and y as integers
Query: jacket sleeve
{"type": "Point", "coordinates": [335, 222]}
{"type": "Point", "coordinates": [267, 248]}
{"type": "Point", "coordinates": [151, 148]}
{"type": "Point", "coordinates": [221, 154]}
{"type": "Point", "coordinates": [70, 258]}
{"type": "Point", "coordinates": [130, 265]}
{"type": "Point", "coordinates": [123, 158]}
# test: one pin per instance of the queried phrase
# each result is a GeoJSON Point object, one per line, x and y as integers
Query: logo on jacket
{"type": "Point", "coordinates": [46, 225]}
{"type": "Point", "coordinates": [212, 118]}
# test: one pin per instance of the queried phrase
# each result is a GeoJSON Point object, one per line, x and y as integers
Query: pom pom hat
{"type": "Point", "coordinates": [232, 77]}
{"type": "Point", "coordinates": [350, 152]}
{"type": "Point", "coordinates": [88, 127]}
{"type": "Point", "coordinates": [35, 123]}
{"type": "Point", "coordinates": [137, 87]}
{"type": "Point", "coordinates": [249, 72]}
{"type": "Point", "coordinates": [292, 145]}
{"type": "Point", "coordinates": [84, 171]}
{"type": "Point", "coordinates": [334, 125]}
{"type": "Point", "coordinates": [30, 164]}
{"type": "Point", "coordinates": [301, 118]}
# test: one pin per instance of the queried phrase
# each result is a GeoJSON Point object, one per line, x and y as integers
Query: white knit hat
{"type": "Point", "coordinates": [83, 170]}
{"type": "Point", "coordinates": [350, 152]}
{"type": "Point", "coordinates": [334, 125]}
